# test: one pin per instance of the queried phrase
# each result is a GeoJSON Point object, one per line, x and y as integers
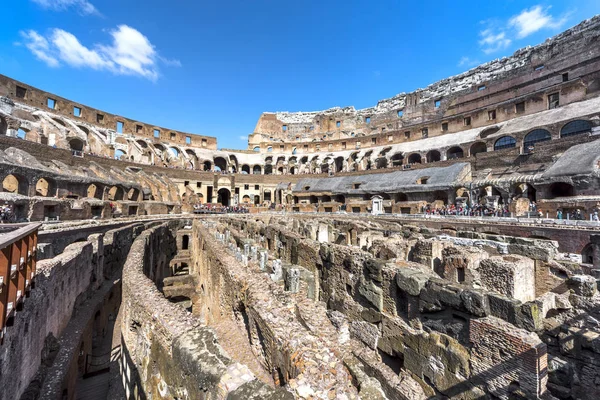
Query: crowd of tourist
{"type": "Point", "coordinates": [477, 210]}
{"type": "Point", "coordinates": [219, 209]}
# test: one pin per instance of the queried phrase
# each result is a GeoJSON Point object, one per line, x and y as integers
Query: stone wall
{"type": "Point", "coordinates": [167, 352]}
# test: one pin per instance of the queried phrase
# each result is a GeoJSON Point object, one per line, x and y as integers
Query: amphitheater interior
{"type": "Point", "coordinates": [442, 244]}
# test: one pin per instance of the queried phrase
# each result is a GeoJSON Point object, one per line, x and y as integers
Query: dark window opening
{"type": "Point", "coordinates": [21, 92]}
{"type": "Point", "coordinates": [520, 107]}
{"type": "Point", "coordinates": [565, 77]}
{"type": "Point", "coordinates": [99, 118]}
{"type": "Point", "coordinates": [460, 274]}
{"type": "Point", "coordinates": [576, 128]}
{"type": "Point", "coordinates": [553, 101]}
{"type": "Point", "coordinates": [467, 121]}
{"type": "Point", "coordinates": [425, 132]}
{"type": "Point", "coordinates": [505, 142]}
{"type": "Point", "coordinates": [407, 134]}
{"type": "Point", "coordinates": [492, 115]}
{"type": "Point", "coordinates": [444, 126]}
{"type": "Point", "coordinates": [438, 103]}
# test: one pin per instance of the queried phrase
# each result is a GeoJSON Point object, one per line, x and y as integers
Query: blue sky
{"type": "Point", "coordinates": [212, 67]}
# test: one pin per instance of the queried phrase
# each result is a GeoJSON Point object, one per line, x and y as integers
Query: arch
{"type": "Point", "coordinates": [76, 144]}
{"type": "Point", "coordinates": [3, 126]}
{"type": "Point", "coordinates": [84, 129]}
{"type": "Point", "coordinates": [325, 168]}
{"type": "Point", "coordinates": [561, 189]}
{"type": "Point", "coordinates": [455, 152]}
{"type": "Point", "coordinates": [185, 242]}
{"type": "Point", "coordinates": [133, 194]}
{"type": "Point", "coordinates": [59, 121]}
{"type": "Point", "coordinates": [489, 131]}
{"type": "Point", "coordinates": [94, 191]}
{"type": "Point", "coordinates": [174, 152]}
{"type": "Point", "coordinates": [313, 200]}
{"type": "Point", "coordinates": [269, 160]}
{"type": "Point", "coordinates": [142, 143]}
{"type": "Point", "coordinates": [536, 136]}
{"type": "Point", "coordinates": [440, 195]}
{"type": "Point", "coordinates": [397, 159]}
{"type": "Point", "coordinates": [293, 170]}
{"type": "Point", "coordinates": [280, 171]}
{"type": "Point", "coordinates": [220, 163]}
{"type": "Point", "coordinates": [414, 158]}
{"type": "Point", "coordinates": [246, 199]}
{"type": "Point", "coordinates": [120, 154]}
{"type": "Point", "coordinates": [245, 169]}
{"type": "Point", "coordinates": [224, 196]}
{"type": "Point", "coordinates": [433, 156]}
{"type": "Point", "coordinates": [267, 195]}
{"type": "Point", "coordinates": [477, 147]}
{"type": "Point", "coordinates": [45, 187]}
{"type": "Point", "coordinates": [340, 198]}
{"type": "Point", "coordinates": [576, 127]}
{"type": "Point", "coordinates": [381, 162]}
{"type": "Point", "coordinates": [268, 169]}
{"type": "Point", "coordinates": [256, 200]}
{"type": "Point", "coordinates": [505, 142]}
{"type": "Point", "coordinates": [207, 165]}
{"type": "Point", "coordinates": [115, 193]}
{"type": "Point", "coordinates": [269, 149]}
{"type": "Point", "coordinates": [17, 184]}
{"type": "Point", "coordinates": [587, 254]}
{"type": "Point", "coordinates": [326, 199]}
{"type": "Point", "coordinates": [256, 149]}
{"type": "Point", "coordinates": [256, 170]}
{"type": "Point", "coordinates": [160, 147]}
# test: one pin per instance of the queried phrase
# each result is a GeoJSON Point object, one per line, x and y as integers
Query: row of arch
{"type": "Point", "coordinates": [48, 187]}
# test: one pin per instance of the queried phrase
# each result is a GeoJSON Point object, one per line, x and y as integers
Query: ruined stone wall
{"type": "Point", "coordinates": [37, 98]}
{"type": "Point", "coordinates": [167, 352]}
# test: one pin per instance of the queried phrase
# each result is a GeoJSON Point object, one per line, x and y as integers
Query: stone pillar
{"type": "Point", "coordinates": [263, 257]}
{"type": "Point", "coordinates": [277, 274]}
{"type": "Point", "coordinates": [246, 249]}
{"type": "Point", "coordinates": [292, 280]}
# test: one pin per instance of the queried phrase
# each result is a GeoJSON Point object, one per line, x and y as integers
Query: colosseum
{"type": "Point", "coordinates": [442, 244]}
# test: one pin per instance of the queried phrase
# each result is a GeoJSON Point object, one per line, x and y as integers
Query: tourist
{"type": "Point", "coordinates": [559, 214]}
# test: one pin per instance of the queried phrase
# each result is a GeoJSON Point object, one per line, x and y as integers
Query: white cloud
{"type": "Point", "coordinates": [83, 7]}
{"type": "Point", "coordinates": [39, 46]}
{"type": "Point", "coordinates": [129, 53]}
{"type": "Point", "coordinates": [534, 19]}
{"type": "Point", "coordinates": [492, 41]}
{"type": "Point", "coordinates": [468, 62]}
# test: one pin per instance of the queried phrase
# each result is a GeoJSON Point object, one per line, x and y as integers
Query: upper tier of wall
{"type": "Point", "coordinates": [526, 71]}
{"type": "Point", "coordinates": [25, 94]}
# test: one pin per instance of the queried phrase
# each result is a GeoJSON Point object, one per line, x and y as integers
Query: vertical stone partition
{"type": "Point", "coordinates": [508, 360]}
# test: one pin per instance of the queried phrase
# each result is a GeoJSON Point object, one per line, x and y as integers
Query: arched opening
{"type": "Point", "coordinates": [185, 242]}
{"type": "Point", "coordinates": [84, 129]}
{"type": "Point", "coordinates": [561, 189]}
{"type": "Point", "coordinates": [94, 191]}
{"type": "Point", "coordinates": [45, 187]}
{"type": "Point", "coordinates": [325, 168]}
{"type": "Point", "coordinates": [220, 163]}
{"type": "Point", "coordinates": [454, 152]}
{"type": "Point", "coordinates": [397, 159]}
{"type": "Point", "coordinates": [224, 197]}
{"type": "Point", "coordinates": [246, 199]}
{"type": "Point", "coordinates": [76, 144]}
{"type": "Point", "coordinates": [256, 200]}
{"type": "Point", "coordinates": [193, 159]}
{"type": "Point", "coordinates": [533, 137]}
{"type": "Point", "coordinates": [587, 254]}
{"type": "Point", "coordinates": [381, 162]}
{"type": "Point", "coordinates": [576, 127]}
{"type": "Point", "coordinates": [115, 193]}
{"type": "Point", "coordinates": [268, 169]}
{"type": "Point", "coordinates": [245, 169]}
{"type": "Point", "coordinates": [433, 156]}
{"type": "Point", "coordinates": [339, 164]}
{"type": "Point", "coordinates": [326, 199]}
{"type": "Point", "coordinates": [489, 131]}
{"type": "Point", "coordinates": [15, 184]}
{"type": "Point", "coordinates": [478, 147]}
{"type": "Point", "coordinates": [256, 170]}
{"type": "Point", "coordinates": [280, 171]}
{"type": "Point", "coordinates": [133, 194]}
{"type": "Point", "coordinates": [505, 142]}
{"type": "Point", "coordinates": [174, 152]}
{"type": "Point", "coordinates": [3, 126]}
{"type": "Point", "coordinates": [414, 158]}
{"type": "Point", "coordinates": [267, 195]}
{"type": "Point", "coordinates": [207, 165]}
{"type": "Point", "coordinates": [22, 133]}
{"type": "Point", "coordinates": [340, 198]}
{"type": "Point", "coordinates": [257, 149]}
{"type": "Point", "coordinates": [59, 121]}
{"type": "Point", "coordinates": [120, 154]}
{"type": "Point", "coordinates": [313, 200]}
{"type": "Point", "coordinates": [293, 170]}
{"type": "Point", "coordinates": [439, 195]}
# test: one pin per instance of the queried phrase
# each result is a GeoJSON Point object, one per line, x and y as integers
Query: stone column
{"type": "Point", "coordinates": [292, 280]}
